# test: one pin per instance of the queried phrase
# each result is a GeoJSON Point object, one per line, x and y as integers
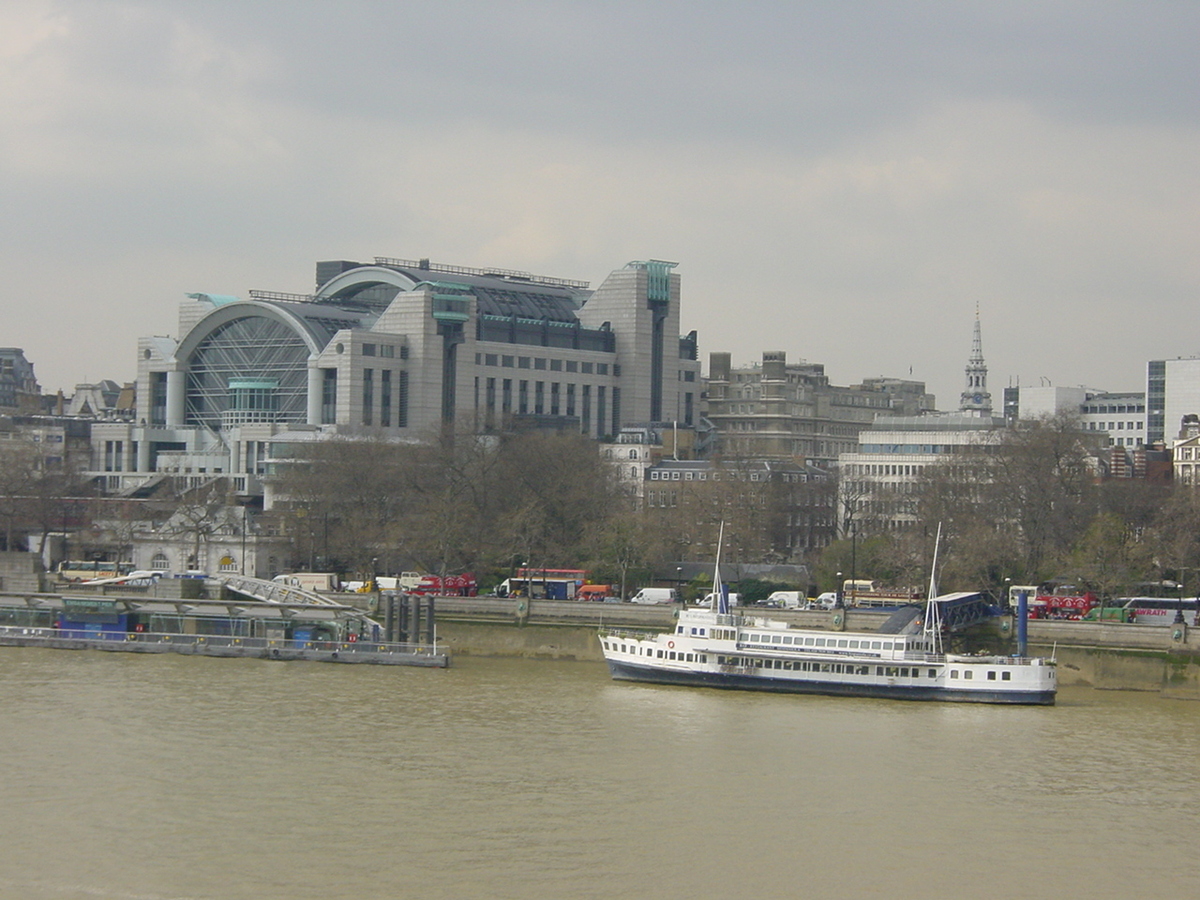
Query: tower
{"type": "Point", "coordinates": [976, 401]}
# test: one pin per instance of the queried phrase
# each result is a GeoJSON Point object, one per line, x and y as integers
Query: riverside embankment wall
{"type": "Point", "coordinates": [1110, 656]}
{"type": "Point", "coordinates": [1114, 656]}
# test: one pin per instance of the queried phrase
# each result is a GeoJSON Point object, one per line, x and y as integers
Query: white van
{"type": "Point", "coordinates": [827, 600]}
{"type": "Point", "coordinates": [707, 602]}
{"type": "Point", "coordinates": [654, 595]}
{"type": "Point", "coordinates": [787, 600]}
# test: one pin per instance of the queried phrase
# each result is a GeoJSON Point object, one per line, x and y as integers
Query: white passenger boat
{"type": "Point", "coordinates": [715, 648]}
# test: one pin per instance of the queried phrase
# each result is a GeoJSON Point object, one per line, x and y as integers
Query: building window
{"type": "Point", "coordinates": [368, 395]}
{"type": "Point", "coordinates": [570, 399]}
{"type": "Point", "coordinates": [159, 562]}
{"type": "Point", "coordinates": [554, 386]}
{"type": "Point", "coordinates": [368, 349]}
{"type": "Point", "coordinates": [385, 398]}
{"type": "Point", "coordinates": [523, 398]}
{"type": "Point", "coordinates": [158, 398]}
{"type": "Point", "coordinates": [402, 401]}
{"type": "Point", "coordinates": [539, 398]}
{"type": "Point", "coordinates": [328, 396]}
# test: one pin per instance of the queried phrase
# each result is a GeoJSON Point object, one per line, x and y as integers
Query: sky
{"type": "Point", "coordinates": [845, 181]}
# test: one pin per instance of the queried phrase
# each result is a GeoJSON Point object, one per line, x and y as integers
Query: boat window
{"type": "Point", "coordinates": [843, 642]}
{"type": "Point", "coordinates": [1006, 676]}
{"type": "Point", "coordinates": [820, 642]}
{"type": "Point", "coordinates": [689, 658]}
{"type": "Point", "coordinates": [954, 673]}
{"type": "Point", "coordinates": [671, 654]}
{"type": "Point", "coordinates": [787, 638]}
{"type": "Point", "coordinates": [967, 673]}
{"type": "Point", "coordinates": [876, 645]}
{"type": "Point", "coordinates": [853, 644]}
{"type": "Point", "coordinates": [660, 654]}
{"type": "Point", "coordinates": [933, 673]}
{"type": "Point", "coordinates": [887, 645]}
{"type": "Point", "coordinates": [879, 670]}
{"type": "Point", "coordinates": [776, 639]}
{"type": "Point", "coordinates": [991, 675]}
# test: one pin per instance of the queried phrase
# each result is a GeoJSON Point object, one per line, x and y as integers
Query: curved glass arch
{"type": "Point", "coordinates": [251, 348]}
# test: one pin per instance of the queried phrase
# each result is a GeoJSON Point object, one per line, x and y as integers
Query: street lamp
{"type": "Point", "coordinates": [854, 560]}
{"type": "Point", "coordinates": [1179, 605]}
{"type": "Point", "coordinates": [840, 600]}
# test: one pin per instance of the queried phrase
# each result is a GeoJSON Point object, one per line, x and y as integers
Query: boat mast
{"type": "Point", "coordinates": [933, 617]}
{"type": "Point", "coordinates": [720, 598]}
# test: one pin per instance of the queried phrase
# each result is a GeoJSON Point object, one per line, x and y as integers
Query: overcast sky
{"type": "Point", "coordinates": [845, 181]}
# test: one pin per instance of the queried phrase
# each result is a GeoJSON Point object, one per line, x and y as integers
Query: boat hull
{"type": "Point", "coordinates": [622, 670]}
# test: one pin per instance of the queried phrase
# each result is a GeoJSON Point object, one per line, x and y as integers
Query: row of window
{"type": "Point", "coordinates": [505, 361]}
{"type": "Point", "coordinates": [393, 389]}
{"type": "Point", "coordinates": [1116, 426]}
{"type": "Point", "coordinates": [1114, 410]}
{"type": "Point", "coordinates": [386, 351]}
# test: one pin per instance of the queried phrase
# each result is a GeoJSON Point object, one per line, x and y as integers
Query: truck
{"type": "Point", "coordinates": [450, 586]}
{"type": "Point", "coordinates": [868, 592]}
{"type": "Point", "coordinates": [310, 581]}
{"type": "Point", "coordinates": [1064, 602]}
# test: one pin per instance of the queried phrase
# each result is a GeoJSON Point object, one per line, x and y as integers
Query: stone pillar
{"type": "Point", "coordinates": [315, 385]}
{"type": "Point", "coordinates": [176, 380]}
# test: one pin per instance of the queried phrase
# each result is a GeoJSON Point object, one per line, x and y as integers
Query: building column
{"type": "Point", "coordinates": [143, 451]}
{"type": "Point", "coordinates": [175, 397]}
{"type": "Point", "coordinates": [315, 387]}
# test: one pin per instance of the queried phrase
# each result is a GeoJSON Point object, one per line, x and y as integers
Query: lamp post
{"type": "Point", "coordinates": [1179, 605]}
{"type": "Point", "coordinates": [854, 561]}
{"type": "Point", "coordinates": [679, 583]}
{"type": "Point", "coordinates": [839, 600]}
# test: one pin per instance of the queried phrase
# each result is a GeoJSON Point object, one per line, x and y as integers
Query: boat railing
{"type": "Point", "coordinates": [989, 659]}
{"type": "Point", "coordinates": [34, 635]}
{"type": "Point", "coordinates": [632, 634]}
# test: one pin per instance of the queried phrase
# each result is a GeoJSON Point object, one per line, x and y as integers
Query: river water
{"type": "Point", "coordinates": [126, 776]}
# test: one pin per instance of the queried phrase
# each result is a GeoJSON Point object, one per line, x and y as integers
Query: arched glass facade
{"type": "Point", "coordinates": [253, 350]}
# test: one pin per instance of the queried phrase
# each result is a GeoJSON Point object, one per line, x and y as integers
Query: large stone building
{"type": "Point", "coordinates": [1172, 392]}
{"type": "Point", "coordinates": [780, 410]}
{"type": "Point", "coordinates": [399, 349]}
{"type": "Point", "coordinates": [19, 391]}
{"type": "Point", "coordinates": [878, 479]}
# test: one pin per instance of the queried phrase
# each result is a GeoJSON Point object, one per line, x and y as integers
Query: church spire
{"type": "Point", "coordinates": [975, 399]}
